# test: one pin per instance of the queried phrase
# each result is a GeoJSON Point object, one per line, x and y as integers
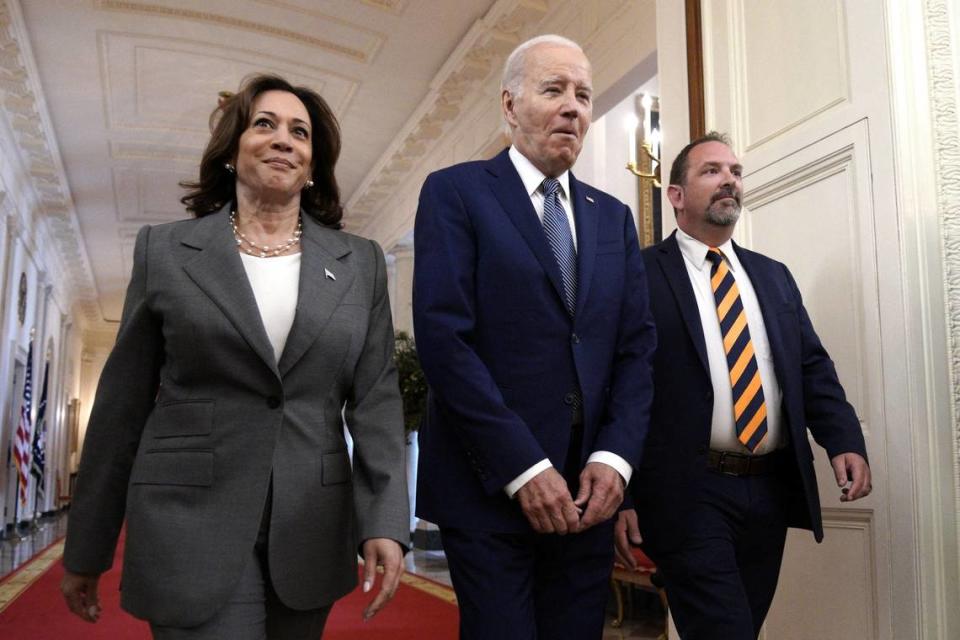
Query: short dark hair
{"type": "Point", "coordinates": [216, 186]}
{"type": "Point", "coordinates": [678, 172]}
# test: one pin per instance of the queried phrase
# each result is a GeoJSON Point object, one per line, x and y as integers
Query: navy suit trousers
{"type": "Point", "coordinates": [530, 586]}
{"type": "Point", "coordinates": [720, 582]}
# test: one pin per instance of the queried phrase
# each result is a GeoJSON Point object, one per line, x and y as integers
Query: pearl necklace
{"type": "Point", "coordinates": [264, 251]}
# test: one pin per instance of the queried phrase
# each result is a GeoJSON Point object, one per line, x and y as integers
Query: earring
{"type": "Point", "coordinates": [308, 184]}
{"type": "Point", "coordinates": [229, 167]}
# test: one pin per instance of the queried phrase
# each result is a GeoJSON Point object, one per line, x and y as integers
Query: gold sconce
{"type": "Point", "coordinates": [644, 162]}
{"type": "Point", "coordinates": [648, 167]}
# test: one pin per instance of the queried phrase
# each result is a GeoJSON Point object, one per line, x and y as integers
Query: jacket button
{"type": "Point", "coordinates": [709, 395]}
{"type": "Point", "coordinates": [575, 338]}
{"type": "Point", "coordinates": [570, 398]}
{"type": "Point", "coordinates": [273, 402]}
{"type": "Point", "coordinates": [701, 450]}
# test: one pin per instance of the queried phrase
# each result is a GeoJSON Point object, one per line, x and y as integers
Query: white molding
{"type": "Point", "coordinates": [942, 56]}
{"type": "Point", "coordinates": [925, 128]}
{"type": "Point", "coordinates": [24, 109]}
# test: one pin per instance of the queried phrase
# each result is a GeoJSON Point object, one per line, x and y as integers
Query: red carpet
{"type": "Point", "coordinates": [420, 609]}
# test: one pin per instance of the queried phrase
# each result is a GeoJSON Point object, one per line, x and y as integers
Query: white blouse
{"type": "Point", "coordinates": [275, 283]}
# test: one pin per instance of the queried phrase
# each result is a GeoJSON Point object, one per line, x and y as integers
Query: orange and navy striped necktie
{"type": "Point", "coordinates": [749, 407]}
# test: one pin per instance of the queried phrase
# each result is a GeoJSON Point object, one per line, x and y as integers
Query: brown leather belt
{"type": "Point", "coordinates": [741, 464]}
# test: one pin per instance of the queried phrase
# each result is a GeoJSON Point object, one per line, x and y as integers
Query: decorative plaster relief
{"type": "Point", "coordinates": [362, 46]}
{"type": "Point", "coordinates": [23, 108]}
{"type": "Point", "coordinates": [133, 67]}
{"type": "Point", "coordinates": [946, 130]}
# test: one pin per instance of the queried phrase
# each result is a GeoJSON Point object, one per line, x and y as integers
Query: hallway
{"type": "Point", "coordinates": [645, 623]}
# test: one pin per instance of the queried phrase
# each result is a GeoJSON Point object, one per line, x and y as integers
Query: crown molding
{"type": "Point", "coordinates": [25, 112]}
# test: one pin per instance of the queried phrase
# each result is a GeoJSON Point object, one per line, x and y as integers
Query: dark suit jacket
{"type": "Point", "coordinates": [674, 462]}
{"type": "Point", "coordinates": [506, 364]}
{"type": "Point", "coordinates": [189, 465]}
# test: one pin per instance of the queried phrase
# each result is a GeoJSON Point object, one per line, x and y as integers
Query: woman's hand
{"type": "Point", "coordinates": [386, 553]}
{"type": "Point", "coordinates": [80, 592]}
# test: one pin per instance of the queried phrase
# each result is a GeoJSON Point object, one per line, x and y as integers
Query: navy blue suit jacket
{"type": "Point", "coordinates": [674, 462]}
{"type": "Point", "coordinates": [505, 362]}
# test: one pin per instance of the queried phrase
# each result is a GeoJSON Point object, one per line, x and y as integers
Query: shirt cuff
{"type": "Point", "coordinates": [526, 477]}
{"type": "Point", "coordinates": [619, 464]}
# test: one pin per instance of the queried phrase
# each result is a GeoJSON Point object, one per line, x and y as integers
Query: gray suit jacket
{"type": "Point", "coordinates": [193, 415]}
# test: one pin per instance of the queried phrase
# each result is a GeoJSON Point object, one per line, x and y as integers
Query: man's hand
{"type": "Point", "coordinates": [80, 592]}
{"type": "Point", "coordinates": [601, 490]}
{"type": "Point", "coordinates": [547, 504]}
{"type": "Point", "coordinates": [853, 468]}
{"type": "Point", "coordinates": [626, 532]}
{"type": "Point", "coordinates": [385, 553]}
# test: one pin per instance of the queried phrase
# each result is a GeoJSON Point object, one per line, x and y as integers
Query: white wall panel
{"type": "Point", "coordinates": [797, 67]}
{"type": "Point", "coordinates": [814, 212]}
{"type": "Point", "coordinates": [829, 587]}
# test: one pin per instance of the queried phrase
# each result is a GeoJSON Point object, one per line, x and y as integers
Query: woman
{"type": "Point", "coordinates": [217, 431]}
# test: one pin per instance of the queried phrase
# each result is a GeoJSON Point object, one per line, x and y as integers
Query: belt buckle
{"type": "Point", "coordinates": [722, 465]}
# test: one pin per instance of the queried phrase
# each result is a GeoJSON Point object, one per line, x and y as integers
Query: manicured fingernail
{"type": "Point", "coordinates": [366, 586]}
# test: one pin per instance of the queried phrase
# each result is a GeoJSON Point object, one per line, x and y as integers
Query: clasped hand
{"type": "Point", "coordinates": [549, 508]}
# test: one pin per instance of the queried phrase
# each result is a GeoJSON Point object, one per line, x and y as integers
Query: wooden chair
{"type": "Point", "coordinates": [644, 577]}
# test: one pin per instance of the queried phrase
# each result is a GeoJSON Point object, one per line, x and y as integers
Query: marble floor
{"type": "Point", "coordinates": [644, 619]}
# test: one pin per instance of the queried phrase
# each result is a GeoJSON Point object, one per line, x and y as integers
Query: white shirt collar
{"type": "Point", "coordinates": [696, 252]}
{"type": "Point", "coordinates": [532, 177]}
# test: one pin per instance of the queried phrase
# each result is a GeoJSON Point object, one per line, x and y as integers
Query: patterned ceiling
{"type": "Point", "coordinates": [128, 87]}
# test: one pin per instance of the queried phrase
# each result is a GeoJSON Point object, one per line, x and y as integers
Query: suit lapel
{"type": "Point", "coordinates": [587, 219]}
{"type": "Point", "coordinates": [218, 271]}
{"type": "Point", "coordinates": [671, 263]}
{"type": "Point", "coordinates": [323, 281]}
{"type": "Point", "coordinates": [509, 190]}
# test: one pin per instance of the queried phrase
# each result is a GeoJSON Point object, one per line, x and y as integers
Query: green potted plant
{"type": "Point", "coordinates": [413, 386]}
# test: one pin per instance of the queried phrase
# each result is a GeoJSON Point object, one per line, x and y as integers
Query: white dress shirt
{"type": "Point", "coordinates": [275, 283]}
{"type": "Point", "coordinates": [723, 430]}
{"type": "Point", "coordinates": [532, 179]}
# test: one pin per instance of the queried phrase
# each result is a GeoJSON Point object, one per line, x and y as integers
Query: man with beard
{"type": "Point", "coordinates": [739, 377]}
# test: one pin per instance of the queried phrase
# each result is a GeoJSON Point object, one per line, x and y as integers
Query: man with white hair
{"type": "Point", "coordinates": [530, 309]}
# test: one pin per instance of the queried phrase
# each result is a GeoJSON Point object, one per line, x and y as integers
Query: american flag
{"type": "Point", "coordinates": [40, 440]}
{"type": "Point", "coordinates": [21, 447]}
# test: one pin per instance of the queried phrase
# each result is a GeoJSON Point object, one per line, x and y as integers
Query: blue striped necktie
{"type": "Point", "coordinates": [557, 228]}
{"type": "Point", "coordinates": [749, 406]}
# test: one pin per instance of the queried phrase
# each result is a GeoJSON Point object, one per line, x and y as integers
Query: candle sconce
{"type": "Point", "coordinates": [648, 167]}
{"type": "Point", "coordinates": [652, 159]}
{"type": "Point", "coordinates": [644, 163]}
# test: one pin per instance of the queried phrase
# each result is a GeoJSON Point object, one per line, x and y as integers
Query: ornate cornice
{"type": "Point", "coordinates": [25, 110]}
{"type": "Point", "coordinates": [481, 52]}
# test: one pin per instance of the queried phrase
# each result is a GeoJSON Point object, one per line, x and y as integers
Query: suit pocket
{"type": "Point", "coordinates": [181, 418]}
{"type": "Point", "coordinates": [183, 467]}
{"type": "Point", "coordinates": [335, 468]}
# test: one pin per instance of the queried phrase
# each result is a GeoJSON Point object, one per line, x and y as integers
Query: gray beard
{"type": "Point", "coordinates": [724, 217]}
